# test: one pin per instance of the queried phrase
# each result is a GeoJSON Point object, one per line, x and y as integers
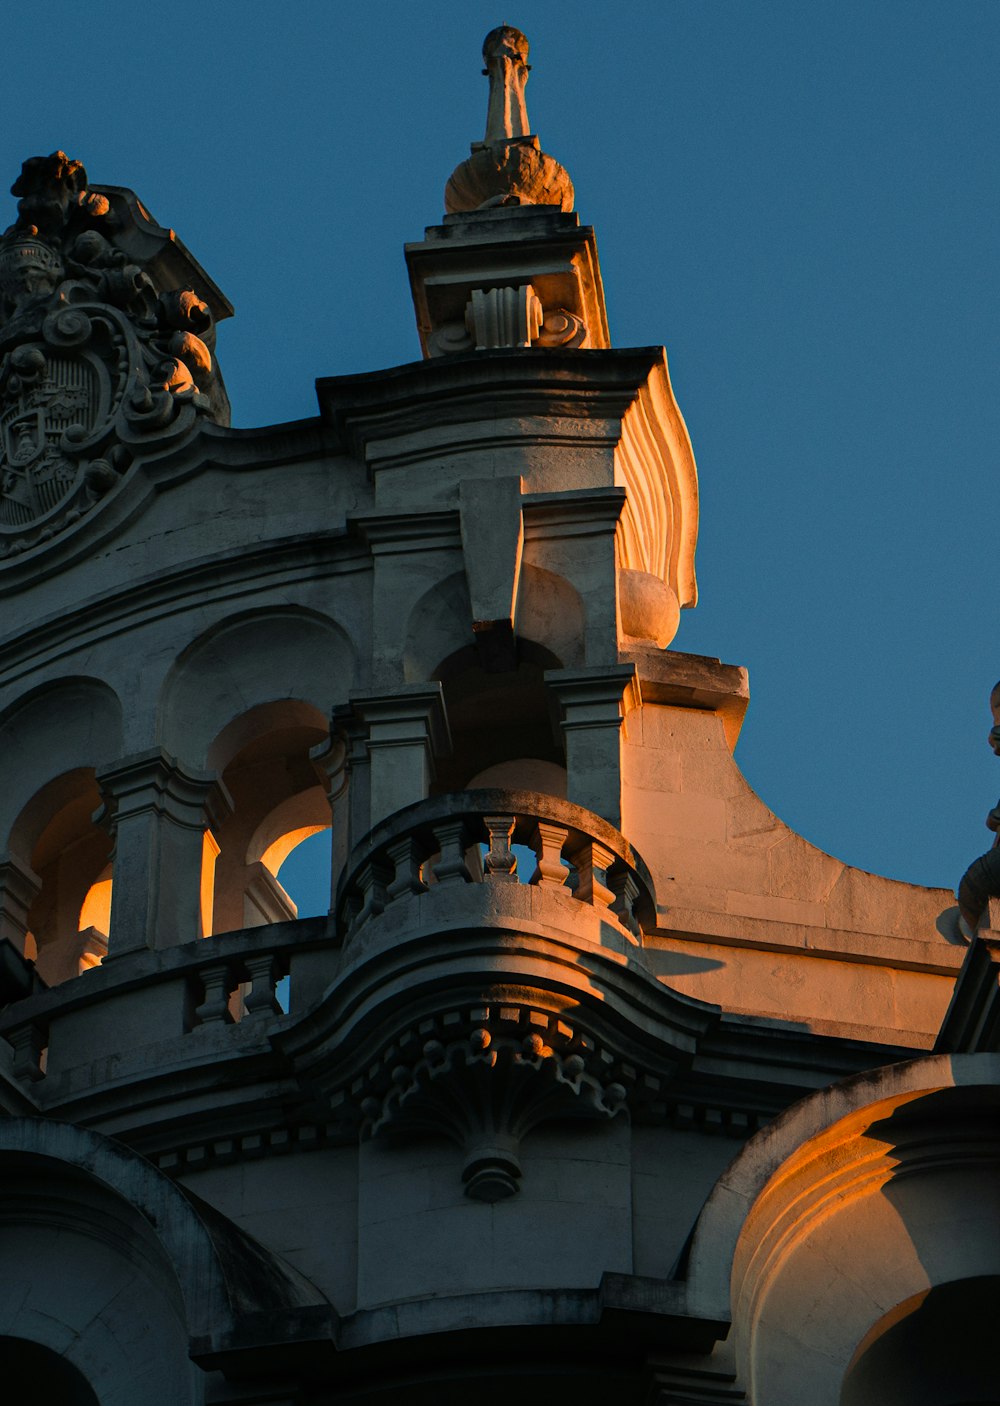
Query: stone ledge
{"type": "Point", "coordinates": [679, 680]}
{"type": "Point", "coordinates": [874, 949]}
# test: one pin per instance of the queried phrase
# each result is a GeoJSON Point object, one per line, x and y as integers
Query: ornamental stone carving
{"type": "Point", "coordinates": [486, 1089]}
{"type": "Point", "coordinates": [508, 167]}
{"type": "Point", "coordinates": [105, 354]}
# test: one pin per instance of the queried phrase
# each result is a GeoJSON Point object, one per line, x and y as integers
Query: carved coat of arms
{"type": "Point", "coordinates": [105, 355]}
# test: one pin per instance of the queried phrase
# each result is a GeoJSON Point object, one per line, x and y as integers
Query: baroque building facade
{"type": "Point", "coordinates": [596, 1078]}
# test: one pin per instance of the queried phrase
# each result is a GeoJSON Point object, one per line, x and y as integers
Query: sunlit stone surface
{"type": "Point", "coordinates": [595, 1079]}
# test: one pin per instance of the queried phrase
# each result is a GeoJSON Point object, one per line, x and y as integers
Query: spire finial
{"type": "Point", "coordinates": [508, 167]}
{"type": "Point", "coordinates": [505, 54]}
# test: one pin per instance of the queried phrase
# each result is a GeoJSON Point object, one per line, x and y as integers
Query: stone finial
{"type": "Point", "coordinates": [508, 167]}
{"type": "Point", "coordinates": [505, 54]}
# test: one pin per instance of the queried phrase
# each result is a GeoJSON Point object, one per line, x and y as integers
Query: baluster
{"type": "Point", "coordinates": [593, 861]}
{"type": "Point", "coordinates": [217, 982]}
{"type": "Point", "coordinates": [372, 880]}
{"type": "Point", "coordinates": [452, 866]}
{"type": "Point", "coordinates": [261, 998]}
{"type": "Point", "coordinates": [350, 910]}
{"type": "Point", "coordinates": [27, 1042]}
{"type": "Point", "coordinates": [626, 891]}
{"type": "Point", "coordinates": [500, 862]}
{"type": "Point", "coordinates": [406, 858]}
{"type": "Point", "coordinates": [548, 841]}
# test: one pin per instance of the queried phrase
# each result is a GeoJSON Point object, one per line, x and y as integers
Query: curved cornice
{"type": "Point", "coordinates": [208, 446]}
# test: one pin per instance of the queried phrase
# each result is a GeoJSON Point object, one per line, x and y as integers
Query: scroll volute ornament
{"type": "Point", "coordinates": [99, 362]}
{"type": "Point", "coordinates": [508, 167]}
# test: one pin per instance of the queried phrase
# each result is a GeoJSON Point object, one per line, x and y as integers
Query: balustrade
{"type": "Point", "coordinates": [437, 846]}
{"type": "Point", "coordinates": [471, 837]}
{"type": "Point", "coordinates": [225, 980]}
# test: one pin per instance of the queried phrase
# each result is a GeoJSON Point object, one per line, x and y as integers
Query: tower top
{"type": "Point", "coordinates": [508, 167]}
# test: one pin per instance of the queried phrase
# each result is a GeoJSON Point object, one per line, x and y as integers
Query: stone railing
{"type": "Point", "coordinates": [221, 980]}
{"type": "Point", "coordinates": [435, 846]}
{"type": "Point", "coordinates": [469, 837]}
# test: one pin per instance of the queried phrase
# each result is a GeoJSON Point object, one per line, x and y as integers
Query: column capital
{"type": "Point", "coordinates": [591, 705]}
{"type": "Point", "coordinates": [401, 716]}
{"type": "Point", "coordinates": [155, 781]}
{"type": "Point", "coordinates": [602, 696]}
{"type": "Point", "coordinates": [407, 727]}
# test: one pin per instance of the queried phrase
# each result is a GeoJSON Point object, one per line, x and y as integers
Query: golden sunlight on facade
{"type": "Point", "coordinates": [593, 1078]}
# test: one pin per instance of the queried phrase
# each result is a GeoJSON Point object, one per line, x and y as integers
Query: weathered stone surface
{"type": "Point", "coordinates": [572, 965]}
{"type": "Point", "coordinates": [105, 354]}
{"type": "Point", "coordinates": [508, 167]}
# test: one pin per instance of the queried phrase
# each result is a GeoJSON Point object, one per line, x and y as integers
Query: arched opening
{"type": "Point", "coordinates": [278, 793]}
{"type": "Point", "coordinates": [68, 920]}
{"type": "Point", "coordinates": [32, 1372]}
{"type": "Point", "coordinates": [55, 741]}
{"type": "Point", "coordinates": [498, 719]}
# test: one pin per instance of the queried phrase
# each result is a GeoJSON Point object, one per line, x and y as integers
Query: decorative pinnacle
{"type": "Point", "coordinates": [505, 54]}
{"type": "Point", "coordinates": [508, 167]}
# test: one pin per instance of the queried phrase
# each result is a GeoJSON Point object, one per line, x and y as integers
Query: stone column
{"type": "Point", "coordinates": [156, 815]}
{"type": "Point", "coordinates": [593, 705]}
{"type": "Point", "coordinates": [19, 887]}
{"type": "Point", "coordinates": [406, 728]}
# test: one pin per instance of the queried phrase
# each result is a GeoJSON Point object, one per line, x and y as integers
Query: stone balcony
{"type": "Point", "coordinates": [473, 837]}
{"type": "Point", "coordinates": [435, 936]}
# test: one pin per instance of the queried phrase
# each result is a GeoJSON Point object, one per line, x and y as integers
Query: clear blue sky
{"type": "Point", "coordinates": [798, 198]}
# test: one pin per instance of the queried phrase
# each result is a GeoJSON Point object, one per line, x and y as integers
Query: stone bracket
{"type": "Point", "coordinates": [493, 542]}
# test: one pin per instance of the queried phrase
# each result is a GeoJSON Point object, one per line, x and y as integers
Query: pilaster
{"type": "Point", "coordinates": [592, 706]}
{"type": "Point", "coordinates": [406, 728]}
{"type": "Point", "coordinates": [156, 813]}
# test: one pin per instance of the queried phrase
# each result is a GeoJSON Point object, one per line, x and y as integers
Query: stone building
{"type": "Point", "coordinates": [596, 1079]}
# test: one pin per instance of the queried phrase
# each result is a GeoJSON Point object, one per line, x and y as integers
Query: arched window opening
{"type": "Point", "coordinates": [304, 871]}
{"type": "Point", "coordinates": [497, 718]}
{"type": "Point", "coordinates": [278, 796]}
{"type": "Point", "coordinates": [69, 854]}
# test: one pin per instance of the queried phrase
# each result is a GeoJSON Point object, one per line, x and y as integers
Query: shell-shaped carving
{"type": "Point", "coordinates": [508, 173]}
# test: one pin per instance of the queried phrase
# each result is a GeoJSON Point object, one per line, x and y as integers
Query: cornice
{"type": "Point", "coordinates": [239, 572]}
{"type": "Point", "coordinates": [208, 446]}
{"type": "Point", "coordinates": [453, 391]}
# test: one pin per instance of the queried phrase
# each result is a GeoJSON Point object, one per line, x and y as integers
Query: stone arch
{"type": "Point", "coordinates": [497, 719]}
{"type": "Point", "coordinates": [439, 623]}
{"type": "Point", "coordinates": [59, 727]}
{"type": "Point", "coordinates": [551, 613]}
{"type": "Point", "coordinates": [278, 654]}
{"type": "Point", "coordinates": [33, 1372]}
{"type": "Point", "coordinates": [843, 1214]}
{"type": "Point", "coordinates": [550, 616]}
{"type": "Point", "coordinates": [247, 701]}
{"type": "Point", "coordinates": [53, 853]}
{"type": "Point", "coordinates": [115, 1270]}
{"type": "Point", "coordinates": [274, 794]}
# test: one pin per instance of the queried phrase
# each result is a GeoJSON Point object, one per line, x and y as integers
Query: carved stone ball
{"type": "Point", "coordinates": [505, 42]}
{"type": "Point", "coordinates": [648, 608]}
{"type": "Point", "coordinates": [517, 172]}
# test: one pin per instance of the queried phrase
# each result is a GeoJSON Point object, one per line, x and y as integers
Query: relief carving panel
{"type": "Point", "coordinates": [101, 361]}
